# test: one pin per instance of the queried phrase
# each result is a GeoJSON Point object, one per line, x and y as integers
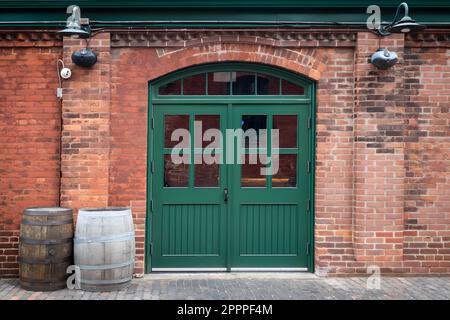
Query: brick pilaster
{"type": "Point", "coordinates": [86, 127]}
{"type": "Point", "coordinates": [379, 162]}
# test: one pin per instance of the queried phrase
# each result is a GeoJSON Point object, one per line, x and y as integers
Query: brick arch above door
{"type": "Point", "coordinates": [301, 61]}
{"type": "Point", "coordinates": [158, 62]}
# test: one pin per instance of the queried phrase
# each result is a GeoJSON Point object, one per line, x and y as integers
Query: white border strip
{"type": "Point", "coordinates": [232, 269]}
{"type": "Point", "coordinates": [188, 269]}
{"type": "Point", "coordinates": [269, 269]}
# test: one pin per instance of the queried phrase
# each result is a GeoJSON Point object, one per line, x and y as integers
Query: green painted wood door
{"type": "Point", "coordinates": [190, 219]}
{"type": "Point", "coordinates": [230, 216]}
{"type": "Point", "coordinates": [269, 225]}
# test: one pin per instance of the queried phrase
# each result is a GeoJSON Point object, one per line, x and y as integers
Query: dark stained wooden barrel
{"type": "Point", "coordinates": [45, 248]}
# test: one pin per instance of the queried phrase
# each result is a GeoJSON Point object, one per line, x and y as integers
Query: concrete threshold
{"type": "Point", "coordinates": [230, 275]}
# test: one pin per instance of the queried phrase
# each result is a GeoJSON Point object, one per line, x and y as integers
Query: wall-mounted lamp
{"type": "Point", "coordinates": [404, 25]}
{"type": "Point", "coordinates": [383, 59]}
{"type": "Point", "coordinates": [76, 26]}
{"type": "Point", "coordinates": [85, 57]}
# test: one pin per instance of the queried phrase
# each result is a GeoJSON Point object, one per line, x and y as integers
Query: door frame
{"type": "Point", "coordinates": [310, 95]}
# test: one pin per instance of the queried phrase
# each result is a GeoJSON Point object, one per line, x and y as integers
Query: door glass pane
{"type": "Point", "coordinates": [206, 175]}
{"type": "Point", "coordinates": [207, 121]}
{"type": "Point", "coordinates": [287, 171]}
{"type": "Point", "coordinates": [251, 172]}
{"type": "Point", "coordinates": [195, 85]}
{"type": "Point", "coordinates": [287, 126]}
{"type": "Point", "coordinates": [207, 170]}
{"type": "Point", "coordinates": [219, 83]}
{"type": "Point", "coordinates": [175, 175]}
{"type": "Point", "coordinates": [251, 125]}
{"type": "Point", "coordinates": [243, 83]}
{"type": "Point", "coordinates": [289, 88]}
{"type": "Point", "coordinates": [171, 123]}
{"type": "Point", "coordinates": [171, 88]}
{"type": "Point", "coordinates": [268, 84]}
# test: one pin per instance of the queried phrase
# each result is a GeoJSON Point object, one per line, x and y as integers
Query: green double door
{"type": "Point", "coordinates": [222, 202]}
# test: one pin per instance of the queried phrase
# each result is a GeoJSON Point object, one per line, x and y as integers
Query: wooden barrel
{"type": "Point", "coordinates": [104, 248]}
{"type": "Point", "coordinates": [45, 248]}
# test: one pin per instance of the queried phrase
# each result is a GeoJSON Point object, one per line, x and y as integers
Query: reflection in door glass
{"type": "Point", "coordinates": [207, 121]}
{"type": "Point", "coordinates": [206, 172]}
{"type": "Point", "coordinates": [287, 172]}
{"type": "Point", "coordinates": [287, 126]}
{"type": "Point", "coordinates": [175, 175]}
{"type": "Point", "coordinates": [256, 122]}
{"type": "Point", "coordinates": [171, 88]}
{"type": "Point", "coordinates": [251, 125]}
{"type": "Point", "coordinates": [268, 84]}
{"type": "Point", "coordinates": [194, 85]}
{"type": "Point", "coordinates": [251, 173]}
{"type": "Point", "coordinates": [171, 123]}
{"type": "Point", "coordinates": [244, 83]}
{"type": "Point", "coordinates": [219, 83]}
{"type": "Point", "coordinates": [206, 175]}
{"type": "Point", "coordinates": [289, 88]}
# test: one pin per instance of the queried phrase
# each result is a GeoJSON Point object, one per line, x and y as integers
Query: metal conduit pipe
{"type": "Point", "coordinates": [212, 22]}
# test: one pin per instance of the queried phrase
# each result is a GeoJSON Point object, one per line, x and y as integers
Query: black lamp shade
{"type": "Point", "coordinates": [384, 59]}
{"type": "Point", "coordinates": [85, 58]}
{"type": "Point", "coordinates": [405, 25]}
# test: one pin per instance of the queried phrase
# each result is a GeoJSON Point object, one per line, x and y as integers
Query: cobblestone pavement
{"type": "Point", "coordinates": [247, 286]}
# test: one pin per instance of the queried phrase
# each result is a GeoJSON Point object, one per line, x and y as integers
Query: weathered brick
{"type": "Point", "coordinates": [382, 140]}
{"type": "Point", "coordinates": [29, 140]}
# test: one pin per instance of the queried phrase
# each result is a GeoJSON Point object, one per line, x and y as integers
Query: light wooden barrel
{"type": "Point", "coordinates": [104, 248]}
{"type": "Point", "coordinates": [45, 248]}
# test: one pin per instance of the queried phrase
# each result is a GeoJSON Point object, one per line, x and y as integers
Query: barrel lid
{"type": "Point", "coordinates": [103, 209]}
{"type": "Point", "coordinates": [47, 211]}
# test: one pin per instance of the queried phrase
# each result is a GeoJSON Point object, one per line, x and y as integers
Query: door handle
{"type": "Point", "coordinates": [225, 195]}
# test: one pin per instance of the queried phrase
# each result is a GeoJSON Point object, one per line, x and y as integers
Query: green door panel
{"type": "Point", "coordinates": [229, 216]}
{"type": "Point", "coordinates": [272, 222]}
{"type": "Point", "coordinates": [189, 222]}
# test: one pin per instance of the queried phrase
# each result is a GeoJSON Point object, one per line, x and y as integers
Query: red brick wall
{"type": "Point", "coordinates": [86, 131]}
{"type": "Point", "coordinates": [379, 155]}
{"type": "Point", "coordinates": [29, 140]}
{"type": "Point", "coordinates": [361, 137]}
{"type": "Point", "coordinates": [334, 161]}
{"type": "Point", "coordinates": [131, 70]}
{"type": "Point", "coordinates": [382, 176]}
{"type": "Point", "coordinates": [427, 160]}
